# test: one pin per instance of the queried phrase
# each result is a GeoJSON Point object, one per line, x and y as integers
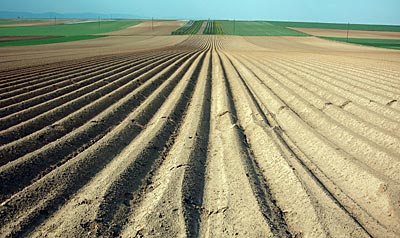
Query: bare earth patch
{"type": "Point", "coordinates": [37, 23]}
{"type": "Point", "coordinates": [147, 28]}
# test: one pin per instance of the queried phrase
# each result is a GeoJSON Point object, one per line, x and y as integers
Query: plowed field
{"type": "Point", "coordinates": [213, 136]}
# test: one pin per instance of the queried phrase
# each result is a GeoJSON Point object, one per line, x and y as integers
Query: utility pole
{"type": "Point", "coordinates": [348, 28]}
{"type": "Point", "coordinates": [152, 23]}
{"type": "Point", "coordinates": [55, 20]}
{"type": "Point", "coordinates": [234, 26]}
{"type": "Point", "coordinates": [98, 20]}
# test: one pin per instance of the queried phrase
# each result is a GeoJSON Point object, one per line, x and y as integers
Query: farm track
{"type": "Point", "coordinates": [200, 140]}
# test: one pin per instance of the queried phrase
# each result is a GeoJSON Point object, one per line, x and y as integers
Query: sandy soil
{"type": "Point", "coordinates": [145, 28]}
{"type": "Point", "coordinates": [352, 33]}
{"type": "Point", "coordinates": [210, 136]}
{"type": "Point", "coordinates": [37, 23]}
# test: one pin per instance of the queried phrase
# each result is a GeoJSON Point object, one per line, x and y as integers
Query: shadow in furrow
{"type": "Point", "coordinates": [193, 180]}
{"type": "Point", "coordinates": [267, 204]}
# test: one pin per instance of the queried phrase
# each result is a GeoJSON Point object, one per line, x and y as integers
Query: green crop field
{"type": "Point", "coordinates": [47, 41]}
{"type": "Point", "coordinates": [338, 26]}
{"type": "Point", "coordinates": [190, 28]}
{"type": "Point", "coordinates": [213, 28]}
{"type": "Point", "coordinates": [256, 28]}
{"type": "Point", "coordinates": [78, 29]}
{"type": "Point", "coordinates": [382, 43]}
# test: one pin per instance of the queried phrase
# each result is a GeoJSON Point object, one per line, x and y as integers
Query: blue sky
{"type": "Point", "coordinates": [354, 11]}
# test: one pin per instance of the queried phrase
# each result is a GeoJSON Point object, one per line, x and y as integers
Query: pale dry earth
{"type": "Point", "coordinates": [39, 22]}
{"type": "Point", "coordinates": [207, 136]}
{"type": "Point", "coordinates": [150, 28]}
{"type": "Point", "coordinates": [352, 33]}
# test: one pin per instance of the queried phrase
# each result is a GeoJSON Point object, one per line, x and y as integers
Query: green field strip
{"type": "Point", "coordinates": [338, 26]}
{"type": "Point", "coordinates": [381, 43]}
{"type": "Point", "coordinates": [213, 28]}
{"type": "Point", "coordinates": [256, 28]}
{"type": "Point", "coordinates": [190, 28]}
{"type": "Point", "coordinates": [48, 40]}
{"type": "Point", "coordinates": [77, 29]}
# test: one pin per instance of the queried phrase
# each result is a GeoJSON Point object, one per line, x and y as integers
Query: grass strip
{"type": "Point", "coordinates": [381, 43]}
{"type": "Point", "coordinates": [48, 40]}
{"type": "Point", "coordinates": [77, 29]}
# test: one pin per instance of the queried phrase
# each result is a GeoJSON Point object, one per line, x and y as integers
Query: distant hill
{"type": "Point", "coordinates": [30, 15]}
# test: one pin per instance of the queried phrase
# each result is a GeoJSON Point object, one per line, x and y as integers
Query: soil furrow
{"type": "Point", "coordinates": [92, 82]}
{"type": "Point", "coordinates": [333, 99]}
{"type": "Point", "coordinates": [130, 168]}
{"type": "Point", "coordinates": [361, 78]}
{"type": "Point", "coordinates": [316, 146]}
{"type": "Point", "coordinates": [200, 136]}
{"type": "Point", "coordinates": [351, 95]}
{"type": "Point", "coordinates": [313, 201]}
{"type": "Point", "coordinates": [34, 73]}
{"type": "Point", "coordinates": [227, 151]}
{"type": "Point", "coordinates": [64, 181]}
{"type": "Point", "coordinates": [57, 79]}
{"type": "Point", "coordinates": [74, 100]}
{"type": "Point", "coordinates": [361, 148]}
{"type": "Point", "coordinates": [33, 89]}
{"type": "Point", "coordinates": [356, 124]}
{"type": "Point", "coordinates": [372, 93]}
{"type": "Point", "coordinates": [260, 188]}
{"type": "Point", "coordinates": [42, 161]}
{"type": "Point", "coordinates": [77, 117]}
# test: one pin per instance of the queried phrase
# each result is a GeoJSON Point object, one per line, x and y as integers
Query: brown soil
{"type": "Point", "coordinates": [147, 28]}
{"type": "Point", "coordinates": [203, 136]}
{"type": "Point", "coordinates": [352, 33]}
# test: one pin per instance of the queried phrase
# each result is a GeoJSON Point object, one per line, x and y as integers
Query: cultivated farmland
{"type": "Point", "coordinates": [190, 28]}
{"type": "Point", "coordinates": [213, 28]}
{"type": "Point", "coordinates": [200, 136]}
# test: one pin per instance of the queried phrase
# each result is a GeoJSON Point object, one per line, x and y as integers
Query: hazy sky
{"type": "Point", "coordinates": [355, 11]}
